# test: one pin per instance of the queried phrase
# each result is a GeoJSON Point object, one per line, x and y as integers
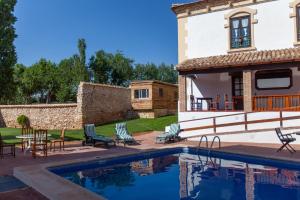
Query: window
{"type": "Point", "coordinates": [176, 95]}
{"type": "Point", "coordinates": [298, 22]}
{"type": "Point", "coordinates": [240, 32]}
{"type": "Point", "coordinates": [161, 92]}
{"type": "Point", "coordinates": [273, 79]}
{"type": "Point", "coordinates": [141, 94]}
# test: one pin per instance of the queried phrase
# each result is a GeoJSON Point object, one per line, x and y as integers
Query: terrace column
{"type": "Point", "coordinates": [182, 93]}
{"type": "Point", "coordinates": [247, 86]}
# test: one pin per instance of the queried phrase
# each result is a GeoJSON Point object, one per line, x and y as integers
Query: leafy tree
{"type": "Point", "coordinates": [114, 69]}
{"type": "Point", "coordinates": [40, 80]}
{"type": "Point", "coordinates": [8, 56]}
{"type": "Point", "coordinates": [122, 69]}
{"type": "Point", "coordinates": [22, 95]}
{"type": "Point", "coordinates": [68, 80]}
{"type": "Point", "coordinates": [100, 64]}
{"type": "Point", "coordinates": [167, 73]}
{"type": "Point", "coordinates": [145, 72]}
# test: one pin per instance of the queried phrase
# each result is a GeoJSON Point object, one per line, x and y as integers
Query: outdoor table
{"type": "Point", "coordinates": [199, 102]}
{"type": "Point", "coordinates": [28, 139]}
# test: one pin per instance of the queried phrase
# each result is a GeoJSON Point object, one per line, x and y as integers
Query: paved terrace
{"type": "Point", "coordinates": [74, 150]}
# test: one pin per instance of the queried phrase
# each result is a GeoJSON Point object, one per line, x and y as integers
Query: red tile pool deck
{"type": "Point", "coordinates": [74, 150]}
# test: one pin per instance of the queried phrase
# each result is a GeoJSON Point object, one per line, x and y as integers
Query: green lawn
{"type": "Point", "coordinates": [134, 126]}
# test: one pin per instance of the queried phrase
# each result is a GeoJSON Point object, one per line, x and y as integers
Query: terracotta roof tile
{"type": "Point", "coordinates": [241, 59]}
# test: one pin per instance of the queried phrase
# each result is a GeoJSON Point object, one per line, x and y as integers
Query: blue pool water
{"type": "Point", "coordinates": [187, 174]}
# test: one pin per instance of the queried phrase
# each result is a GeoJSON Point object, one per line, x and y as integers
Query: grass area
{"type": "Point", "coordinates": [134, 126]}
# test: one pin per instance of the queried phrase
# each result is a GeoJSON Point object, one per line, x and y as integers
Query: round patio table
{"type": "Point", "coordinates": [28, 139]}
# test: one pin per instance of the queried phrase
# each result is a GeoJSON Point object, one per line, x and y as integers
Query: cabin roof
{"type": "Point", "coordinates": [142, 82]}
{"type": "Point", "coordinates": [243, 59]}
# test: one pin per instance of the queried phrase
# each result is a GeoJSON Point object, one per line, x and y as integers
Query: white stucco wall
{"type": "Point", "coordinates": [258, 136]}
{"type": "Point", "coordinates": [207, 35]}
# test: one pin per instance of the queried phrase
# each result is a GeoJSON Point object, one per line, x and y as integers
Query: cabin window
{"type": "Point", "coordinates": [240, 32]}
{"type": "Point", "coordinates": [141, 94]}
{"type": "Point", "coordinates": [298, 23]}
{"type": "Point", "coordinates": [161, 92]}
{"type": "Point", "coordinates": [176, 95]}
{"type": "Point", "coordinates": [273, 79]}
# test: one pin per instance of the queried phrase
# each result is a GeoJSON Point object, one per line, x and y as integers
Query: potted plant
{"type": "Point", "coordinates": [23, 121]}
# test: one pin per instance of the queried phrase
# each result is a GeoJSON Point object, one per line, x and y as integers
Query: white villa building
{"type": "Point", "coordinates": [239, 68]}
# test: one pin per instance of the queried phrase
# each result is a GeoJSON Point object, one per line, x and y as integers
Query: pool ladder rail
{"type": "Point", "coordinates": [212, 144]}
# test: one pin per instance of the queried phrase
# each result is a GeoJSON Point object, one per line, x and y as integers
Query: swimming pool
{"type": "Point", "coordinates": [186, 174]}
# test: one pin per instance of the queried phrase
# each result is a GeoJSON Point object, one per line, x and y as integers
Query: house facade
{"type": "Point", "coordinates": [239, 68]}
{"type": "Point", "coordinates": [151, 99]}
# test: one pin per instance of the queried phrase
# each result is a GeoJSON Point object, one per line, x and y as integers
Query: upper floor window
{"type": "Point", "coordinates": [240, 25]}
{"type": "Point", "coordinates": [240, 32]}
{"type": "Point", "coordinates": [141, 94]}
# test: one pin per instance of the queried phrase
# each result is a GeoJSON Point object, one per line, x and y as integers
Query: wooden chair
{"type": "Point", "coordinates": [229, 105]}
{"type": "Point", "coordinates": [25, 131]}
{"type": "Point", "coordinates": [40, 142]}
{"type": "Point", "coordinates": [215, 105]}
{"type": "Point", "coordinates": [61, 141]}
{"type": "Point", "coordinates": [285, 139]}
{"type": "Point", "coordinates": [4, 145]}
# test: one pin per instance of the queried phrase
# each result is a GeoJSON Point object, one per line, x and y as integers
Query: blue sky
{"type": "Point", "coordinates": [144, 30]}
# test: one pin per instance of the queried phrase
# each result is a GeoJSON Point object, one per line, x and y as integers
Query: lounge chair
{"type": "Point", "coordinates": [92, 138]}
{"type": "Point", "coordinates": [171, 135]}
{"type": "Point", "coordinates": [285, 139]}
{"type": "Point", "coordinates": [122, 135]}
{"type": "Point", "coordinates": [4, 145]}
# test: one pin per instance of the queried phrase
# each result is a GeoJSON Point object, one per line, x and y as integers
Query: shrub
{"type": "Point", "coordinates": [23, 120]}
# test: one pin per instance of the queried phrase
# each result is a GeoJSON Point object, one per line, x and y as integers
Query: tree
{"type": "Point", "coordinates": [167, 73]}
{"type": "Point", "coordinates": [81, 60]}
{"type": "Point", "coordinates": [40, 80]}
{"type": "Point", "coordinates": [145, 72]}
{"type": "Point", "coordinates": [68, 80]}
{"type": "Point", "coordinates": [100, 64]}
{"type": "Point", "coordinates": [122, 69]}
{"type": "Point", "coordinates": [8, 57]}
{"type": "Point", "coordinates": [114, 69]}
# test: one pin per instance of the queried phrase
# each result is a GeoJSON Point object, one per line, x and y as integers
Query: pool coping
{"type": "Point", "coordinates": [55, 187]}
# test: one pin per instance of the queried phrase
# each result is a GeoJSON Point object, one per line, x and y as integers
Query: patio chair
{"type": "Point", "coordinates": [60, 141]}
{"type": "Point", "coordinates": [92, 138]}
{"type": "Point", "coordinates": [40, 142]}
{"type": "Point", "coordinates": [172, 135]}
{"type": "Point", "coordinates": [285, 139]}
{"type": "Point", "coordinates": [122, 134]}
{"type": "Point", "coordinates": [215, 105]}
{"type": "Point", "coordinates": [229, 105]}
{"type": "Point", "coordinates": [25, 131]}
{"type": "Point", "coordinates": [3, 146]}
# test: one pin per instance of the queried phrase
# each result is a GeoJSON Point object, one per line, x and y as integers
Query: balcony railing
{"type": "Point", "coordinates": [276, 102]}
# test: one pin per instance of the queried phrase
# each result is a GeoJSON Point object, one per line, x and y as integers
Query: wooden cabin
{"type": "Point", "coordinates": [151, 99]}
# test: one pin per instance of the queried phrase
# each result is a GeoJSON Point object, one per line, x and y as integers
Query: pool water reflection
{"type": "Point", "coordinates": [187, 176]}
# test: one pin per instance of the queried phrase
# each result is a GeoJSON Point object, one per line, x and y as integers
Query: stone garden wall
{"type": "Point", "coordinates": [100, 104]}
{"type": "Point", "coordinates": [54, 116]}
{"type": "Point", "coordinates": [96, 104]}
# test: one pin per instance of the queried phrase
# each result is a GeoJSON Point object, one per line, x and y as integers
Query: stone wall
{"type": "Point", "coordinates": [100, 104]}
{"type": "Point", "coordinates": [96, 103]}
{"type": "Point", "coordinates": [53, 116]}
